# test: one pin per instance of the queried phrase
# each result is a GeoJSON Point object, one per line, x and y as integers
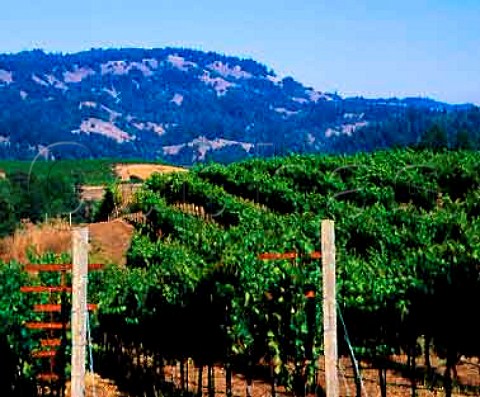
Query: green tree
{"type": "Point", "coordinates": [107, 206]}
{"type": "Point", "coordinates": [435, 138]}
{"type": "Point", "coordinates": [463, 140]}
{"type": "Point", "coordinates": [8, 219]}
{"type": "Point", "coordinates": [28, 192]}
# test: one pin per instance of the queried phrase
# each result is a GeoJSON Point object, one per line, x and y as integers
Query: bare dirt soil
{"type": "Point", "coordinates": [96, 192]}
{"type": "Point", "coordinates": [398, 385]}
{"type": "Point", "coordinates": [95, 386]}
{"type": "Point", "coordinates": [109, 241]}
{"type": "Point", "coordinates": [92, 192]}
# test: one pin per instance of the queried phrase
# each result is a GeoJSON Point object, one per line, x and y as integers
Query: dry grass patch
{"type": "Point", "coordinates": [109, 241]}
{"type": "Point", "coordinates": [53, 237]}
{"type": "Point", "coordinates": [143, 171]}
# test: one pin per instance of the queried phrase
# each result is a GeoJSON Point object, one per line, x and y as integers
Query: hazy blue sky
{"type": "Point", "coordinates": [369, 47]}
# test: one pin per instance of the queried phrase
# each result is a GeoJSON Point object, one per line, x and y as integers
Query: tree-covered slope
{"type": "Point", "coordinates": [186, 106]}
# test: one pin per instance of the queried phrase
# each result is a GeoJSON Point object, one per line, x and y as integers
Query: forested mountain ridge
{"type": "Point", "coordinates": [185, 106]}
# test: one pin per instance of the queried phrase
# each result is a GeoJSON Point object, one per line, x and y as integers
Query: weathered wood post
{"type": "Point", "coordinates": [79, 309]}
{"type": "Point", "coordinates": [329, 308]}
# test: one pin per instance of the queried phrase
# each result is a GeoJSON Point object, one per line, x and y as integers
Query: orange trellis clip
{"type": "Point", "coordinates": [288, 255]}
{"type": "Point", "coordinates": [58, 324]}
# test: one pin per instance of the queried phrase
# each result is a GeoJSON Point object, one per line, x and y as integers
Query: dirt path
{"type": "Point", "coordinates": [110, 241]}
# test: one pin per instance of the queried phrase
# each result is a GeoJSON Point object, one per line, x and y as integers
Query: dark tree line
{"type": "Point", "coordinates": [33, 197]}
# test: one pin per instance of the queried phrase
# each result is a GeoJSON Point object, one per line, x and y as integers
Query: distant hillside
{"type": "Point", "coordinates": [184, 106]}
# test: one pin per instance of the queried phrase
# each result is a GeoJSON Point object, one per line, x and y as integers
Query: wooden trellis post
{"type": "Point", "coordinates": [329, 303]}
{"type": "Point", "coordinates": [80, 269]}
{"type": "Point", "coordinates": [329, 308]}
{"type": "Point", "coordinates": [79, 309]}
